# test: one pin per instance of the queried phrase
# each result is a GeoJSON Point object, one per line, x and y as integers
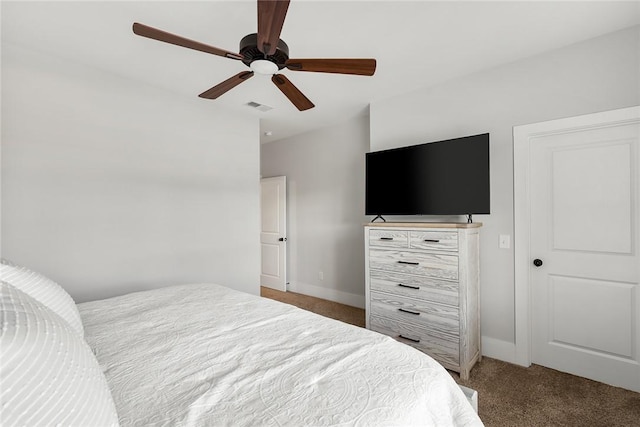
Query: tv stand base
{"type": "Point", "coordinates": [379, 216]}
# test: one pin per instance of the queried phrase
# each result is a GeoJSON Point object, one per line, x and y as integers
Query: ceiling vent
{"type": "Point", "coordinates": [261, 107]}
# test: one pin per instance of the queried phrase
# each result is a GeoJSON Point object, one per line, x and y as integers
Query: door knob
{"type": "Point", "coordinates": [282, 239]}
{"type": "Point", "coordinates": [537, 262]}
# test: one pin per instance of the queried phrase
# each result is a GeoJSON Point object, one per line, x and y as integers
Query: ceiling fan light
{"type": "Point", "coordinates": [263, 66]}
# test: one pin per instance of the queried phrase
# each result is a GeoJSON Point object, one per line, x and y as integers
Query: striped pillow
{"type": "Point", "coordinates": [48, 373]}
{"type": "Point", "coordinates": [43, 289]}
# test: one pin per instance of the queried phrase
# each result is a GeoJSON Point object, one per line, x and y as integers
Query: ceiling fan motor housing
{"type": "Point", "coordinates": [250, 52]}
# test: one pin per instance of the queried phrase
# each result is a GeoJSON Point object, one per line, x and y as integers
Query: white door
{"type": "Point", "coordinates": [584, 237]}
{"type": "Point", "coordinates": [273, 236]}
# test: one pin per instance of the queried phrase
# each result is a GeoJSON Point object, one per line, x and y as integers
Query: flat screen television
{"type": "Point", "coordinates": [448, 177]}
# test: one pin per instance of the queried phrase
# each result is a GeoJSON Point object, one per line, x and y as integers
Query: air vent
{"type": "Point", "coordinates": [258, 106]}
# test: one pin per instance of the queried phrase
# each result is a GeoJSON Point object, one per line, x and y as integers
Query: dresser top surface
{"type": "Point", "coordinates": [424, 224]}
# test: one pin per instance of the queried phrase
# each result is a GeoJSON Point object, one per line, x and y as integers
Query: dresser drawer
{"type": "Point", "coordinates": [443, 348]}
{"type": "Point", "coordinates": [443, 266]}
{"type": "Point", "coordinates": [425, 288]}
{"type": "Point", "coordinates": [434, 240]}
{"type": "Point", "coordinates": [428, 315]}
{"type": "Point", "coordinates": [389, 238]}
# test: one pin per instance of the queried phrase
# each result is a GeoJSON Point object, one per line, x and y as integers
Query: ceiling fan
{"type": "Point", "coordinates": [265, 53]}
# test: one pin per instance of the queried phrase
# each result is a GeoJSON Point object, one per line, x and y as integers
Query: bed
{"type": "Point", "coordinates": [206, 355]}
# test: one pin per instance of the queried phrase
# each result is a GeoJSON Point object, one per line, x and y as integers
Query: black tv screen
{"type": "Point", "coordinates": [439, 178]}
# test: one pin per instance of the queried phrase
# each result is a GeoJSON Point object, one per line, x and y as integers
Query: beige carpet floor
{"type": "Point", "coordinates": [342, 312]}
{"type": "Point", "coordinates": [511, 395]}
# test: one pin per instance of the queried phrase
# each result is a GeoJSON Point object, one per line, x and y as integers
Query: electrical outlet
{"type": "Point", "coordinates": [320, 275]}
{"type": "Point", "coordinates": [505, 241]}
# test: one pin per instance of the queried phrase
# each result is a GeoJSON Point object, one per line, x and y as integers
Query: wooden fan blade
{"type": "Point", "coordinates": [226, 85]}
{"type": "Point", "coordinates": [163, 36]}
{"type": "Point", "coordinates": [362, 67]}
{"type": "Point", "coordinates": [296, 97]}
{"type": "Point", "coordinates": [271, 14]}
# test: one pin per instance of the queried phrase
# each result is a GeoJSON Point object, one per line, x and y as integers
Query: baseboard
{"type": "Point", "coordinates": [329, 294]}
{"type": "Point", "coordinates": [499, 349]}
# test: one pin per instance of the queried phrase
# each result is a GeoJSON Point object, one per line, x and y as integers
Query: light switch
{"type": "Point", "coordinates": [505, 241]}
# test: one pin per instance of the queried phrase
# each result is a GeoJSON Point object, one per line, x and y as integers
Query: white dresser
{"type": "Point", "coordinates": [422, 288]}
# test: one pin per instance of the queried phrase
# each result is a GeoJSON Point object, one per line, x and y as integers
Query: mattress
{"type": "Point", "coordinates": [206, 355]}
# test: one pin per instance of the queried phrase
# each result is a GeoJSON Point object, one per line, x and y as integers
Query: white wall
{"type": "Point", "coordinates": [325, 191]}
{"type": "Point", "coordinates": [596, 75]}
{"type": "Point", "coordinates": [110, 186]}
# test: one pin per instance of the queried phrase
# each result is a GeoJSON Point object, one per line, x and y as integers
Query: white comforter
{"type": "Point", "coordinates": [205, 355]}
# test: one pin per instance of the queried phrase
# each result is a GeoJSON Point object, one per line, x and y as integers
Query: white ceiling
{"type": "Point", "coordinates": [416, 43]}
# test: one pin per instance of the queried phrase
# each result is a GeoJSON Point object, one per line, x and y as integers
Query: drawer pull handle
{"type": "Point", "coordinates": [386, 238]}
{"type": "Point", "coordinates": [432, 240]}
{"type": "Point", "coordinates": [417, 313]}
{"type": "Point", "coordinates": [408, 286]}
{"type": "Point", "coordinates": [408, 339]}
{"type": "Point", "coordinates": [408, 262]}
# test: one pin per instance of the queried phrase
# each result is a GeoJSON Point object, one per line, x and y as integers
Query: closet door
{"type": "Point", "coordinates": [584, 266]}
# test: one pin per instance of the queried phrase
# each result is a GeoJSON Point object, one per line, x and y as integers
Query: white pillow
{"type": "Point", "coordinates": [44, 290]}
{"type": "Point", "coordinates": [48, 373]}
